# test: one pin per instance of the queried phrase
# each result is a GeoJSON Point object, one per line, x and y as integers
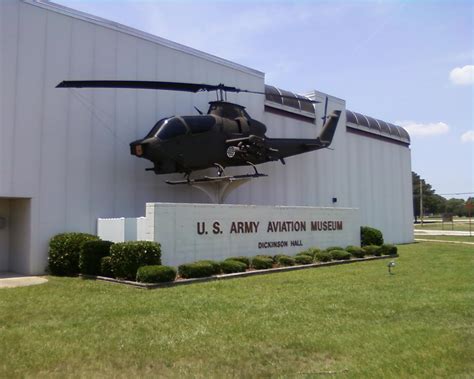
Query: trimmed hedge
{"type": "Point", "coordinates": [277, 256]}
{"type": "Point", "coordinates": [200, 269]}
{"type": "Point", "coordinates": [389, 249]}
{"type": "Point", "coordinates": [127, 257]}
{"type": "Point", "coordinates": [242, 259]}
{"type": "Point", "coordinates": [64, 250]}
{"type": "Point", "coordinates": [331, 248]}
{"type": "Point", "coordinates": [303, 259]}
{"type": "Point", "coordinates": [372, 250]}
{"type": "Point", "coordinates": [216, 266]}
{"type": "Point", "coordinates": [285, 260]}
{"type": "Point", "coordinates": [156, 274]}
{"type": "Point", "coordinates": [340, 255]}
{"type": "Point", "coordinates": [323, 256]}
{"type": "Point", "coordinates": [106, 267]}
{"type": "Point", "coordinates": [312, 251]}
{"type": "Point", "coordinates": [91, 254]}
{"type": "Point", "coordinates": [356, 251]}
{"type": "Point", "coordinates": [370, 236]}
{"type": "Point", "coordinates": [230, 266]}
{"type": "Point", "coordinates": [261, 262]}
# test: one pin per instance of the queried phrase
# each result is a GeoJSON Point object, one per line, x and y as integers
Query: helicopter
{"type": "Point", "coordinates": [226, 136]}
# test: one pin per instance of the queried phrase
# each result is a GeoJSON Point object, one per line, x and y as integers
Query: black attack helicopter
{"type": "Point", "coordinates": [226, 136]}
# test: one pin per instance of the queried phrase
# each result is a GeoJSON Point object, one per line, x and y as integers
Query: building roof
{"type": "Point", "coordinates": [369, 124]}
{"type": "Point", "coordinates": [51, 6]}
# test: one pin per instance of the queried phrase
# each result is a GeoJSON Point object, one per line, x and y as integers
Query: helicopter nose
{"type": "Point", "coordinates": [137, 148]}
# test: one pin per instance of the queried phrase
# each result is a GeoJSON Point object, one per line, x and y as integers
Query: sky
{"type": "Point", "coordinates": [406, 62]}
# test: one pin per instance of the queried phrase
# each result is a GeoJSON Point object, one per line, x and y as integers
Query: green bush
{"type": "Point", "coordinates": [370, 236]}
{"type": "Point", "coordinates": [200, 269]}
{"type": "Point", "coordinates": [312, 251]}
{"type": "Point", "coordinates": [64, 250]}
{"type": "Point", "coordinates": [264, 256]}
{"type": "Point", "coordinates": [216, 266]}
{"type": "Point", "coordinates": [340, 255]}
{"type": "Point", "coordinates": [261, 262]}
{"type": "Point", "coordinates": [285, 260]}
{"type": "Point", "coordinates": [304, 259]}
{"type": "Point", "coordinates": [323, 256]}
{"type": "Point", "coordinates": [331, 248]}
{"type": "Point", "coordinates": [127, 257]}
{"type": "Point", "coordinates": [372, 250]}
{"type": "Point", "coordinates": [230, 266]}
{"type": "Point", "coordinates": [388, 249]}
{"type": "Point", "coordinates": [106, 267]}
{"type": "Point", "coordinates": [156, 274]}
{"type": "Point", "coordinates": [356, 251]}
{"type": "Point", "coordinates": [242, 259]}
{"type": "Point", "coordinates": [277, 256]}
{"type": "Point", "coordinates": [91, 254]}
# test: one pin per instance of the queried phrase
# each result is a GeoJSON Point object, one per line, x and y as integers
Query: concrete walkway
{"type": "Point", "coordinates": [441, 233]}
{"type": "Point", "coordinates": [11, 280]}
{"type": "Point", "coordinates": [444, 241]}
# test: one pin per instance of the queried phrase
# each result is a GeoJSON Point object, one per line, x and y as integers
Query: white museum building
{"type": "Point", "coordinates": [65, 159]}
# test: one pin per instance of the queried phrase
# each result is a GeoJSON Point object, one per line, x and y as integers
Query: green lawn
{"type": "Point", "coordinates": [355, 320]}
{"type": "Point", "coordinates": [447, 238]}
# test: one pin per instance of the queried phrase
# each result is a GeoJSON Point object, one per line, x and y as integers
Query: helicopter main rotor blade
{"type": "Point", "coordinates": [167, 86]}
{"type": "Point", "coordinates": [136, 84]}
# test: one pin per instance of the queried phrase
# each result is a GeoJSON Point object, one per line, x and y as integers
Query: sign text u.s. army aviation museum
{"type": "Point", "coordinates": [191, 232]}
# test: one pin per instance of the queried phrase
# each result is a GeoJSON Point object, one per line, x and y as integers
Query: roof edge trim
{"type": "Point", "coordinates": [58, 8]}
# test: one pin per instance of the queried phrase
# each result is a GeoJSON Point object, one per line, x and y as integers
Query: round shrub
{"type": "Point", "coordinates": [216, 266]}
{"type": "Point", "coordinates": [310, 251]}
{"type": "Point", "coordinates": [285, 260]}
{"type": "Point", "coordinates": [242, 259]}
{"type": "Point", "coordinates": [64, 250]}
{"type": "Point", "coordinates": [340, 255]}
{"type": "Point", "coordinates": [230, 266]}
{"type": "Point", "coordinates": [91, 254]}
{"type": "Point", "coordinates": [127, 257]}
{"type": "Point", "coordinates": [106, 267]}
{"type": "Point", "coordinates": [277, 256]}
{"type": "Point", "coordinates": [370, 236]}
{"type": "Point", "coordinates": [323, 256]}
{"type": "Point", "coordinates": [355, 251]}
{"type": "Point", "coordinates": [201, 269]}
{"type": "Point", "coordinates": [388, 249]}
{"type": "Point", "coordinates": [264, 256]}
{"type": "Point", "coordinates": [331, 248]}
{"type": "Point", "coordinates": [261, 262]}
{"type": "Point", "coordinates": [372, 250]}
{"type": "Point", "coordinates": [303, 259]}
{"type": "Point", "coordinates": [156, 274]}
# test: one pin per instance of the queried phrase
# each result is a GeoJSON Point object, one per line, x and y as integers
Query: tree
{"type": "Point", "coordinates": [432, 203]}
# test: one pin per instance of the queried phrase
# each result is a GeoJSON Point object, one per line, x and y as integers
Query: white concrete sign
{"type": "Point", "coordinates": [191, 232]}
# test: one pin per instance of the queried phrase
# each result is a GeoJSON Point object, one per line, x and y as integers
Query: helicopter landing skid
{"type": "Point", "coordinates": [217, 187]}
{"type": "Point", "coordinates": [215, 179]}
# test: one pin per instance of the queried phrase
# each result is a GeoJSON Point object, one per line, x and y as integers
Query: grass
{"type": "Point", "coordinates": [457, 226]}
{"type": "Point", "coordinates": [352, 320]}
{"type": "Point", "coordinates": [447, 238]}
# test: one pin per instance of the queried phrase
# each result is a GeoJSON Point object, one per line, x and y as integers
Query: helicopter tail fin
{"type": "Point", "coordinates": [329, 128]}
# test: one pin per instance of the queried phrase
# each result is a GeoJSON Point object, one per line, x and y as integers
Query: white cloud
{"type": "Point", "coordinates": [462, 75]}
{"type": "Point", "coordinates": [468, 136]}
{"type": "Point", "coordinates": [424, 129]}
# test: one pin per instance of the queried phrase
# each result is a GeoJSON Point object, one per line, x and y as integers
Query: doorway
{"type": "Point", "coordinates": [15, 231]}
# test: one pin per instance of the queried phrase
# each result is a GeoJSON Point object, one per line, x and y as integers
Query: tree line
{"type": "Point", "coordinates": [436, 204]}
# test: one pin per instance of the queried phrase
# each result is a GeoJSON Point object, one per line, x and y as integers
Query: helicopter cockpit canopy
{"type": "Point", "coordinates": [168, 128]}
{"type": "Point", "coordinates": [227, 110]}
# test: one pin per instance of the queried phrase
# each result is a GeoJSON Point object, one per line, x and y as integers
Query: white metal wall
{"type": "Point", "coordinates": [68, 149]}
